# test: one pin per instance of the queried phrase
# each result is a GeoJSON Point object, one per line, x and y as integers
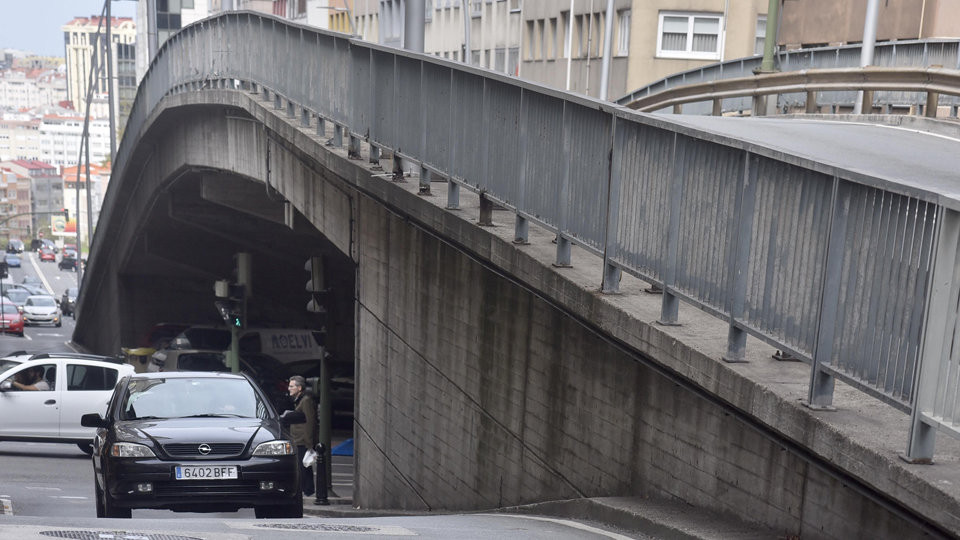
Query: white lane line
{"type": "Point", "coordinates": [43, 488]}
{"type": "Point", "coordinates": [67, 497]}
{"type": "Point", "coordinates": [43, 278]}
{"type": "Point", "coordinates": [567, 523]}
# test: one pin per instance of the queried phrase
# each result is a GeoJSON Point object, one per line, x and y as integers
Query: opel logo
{"type": "Point", "coordinates": [204, 449]}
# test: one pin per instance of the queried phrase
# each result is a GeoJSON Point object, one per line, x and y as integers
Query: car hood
{"type": "Point", "coordinates": [40, 310]}
{"type": "Point", "coordinates": [207, 429]}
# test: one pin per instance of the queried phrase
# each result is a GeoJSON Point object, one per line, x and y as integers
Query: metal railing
{"type": "Point", "coordinates": [830, 265]}
{"type": "Point", "coordinates": [931, 82]}
{"type": "Point", "coordinates": [912, 53]}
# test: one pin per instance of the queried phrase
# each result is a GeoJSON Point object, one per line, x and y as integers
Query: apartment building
{"type": "Point", "coordinates": [816, 23]}
{"type": "Point", "coordinates": [46, 188]}
{"type": "Point", "coordinates": [168, 17]}
{"type": "Point", "coordinates": [75, 197]}
{"type": "Point", "coordinates": [31, 88]}
{"type": "Point", "coordinates": [15, 204]}
{"type": "Point", "coordinates": [84, 50]}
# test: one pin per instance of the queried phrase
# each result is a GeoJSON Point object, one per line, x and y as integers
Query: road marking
{"type": "Point", "coordinates": [67, 497]}
{"type": "Point", "coordinates": [43, 278]}
{"type": "Point", "coordinates": [6, 507]}
{"type": "Point", "coordinates": [567, 523]}
{"type": "Point", "coordinates": [43, 488]}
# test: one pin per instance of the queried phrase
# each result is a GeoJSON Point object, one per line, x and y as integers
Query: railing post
{"type": "Point", "coordinates": [486, 211]}
{"type": "Point", "coordinates": [425, 176]}
{"type": "Point", "coordinates": [820, 394]}
{"type": "Point", "coordinates": [670, 306]}
{"type": "Point", "coordinates": [353, 149]}
{"type": "Point", "coordinates": [562, 259]}
{"type": "Point", "coordinates": [717, 107]}
{"type": "Point", "coordinates": [811, 104]}
{"type": "Point", "coordinates": [521, 231]}
{"type": "Point", "coordinates": [739, 257]}
{"type": "Point", "coordinates": [374, 156]}
{"type": "Point", "coordinates": [611, 273]}
{"type": "Point", "coordinates": [939, 329]}
{"type": "Point", "coordinates": [933, 103]}
{"type": "Point", "coordinates": [866, 103]}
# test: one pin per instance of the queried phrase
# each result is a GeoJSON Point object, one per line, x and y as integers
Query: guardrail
{"type": "Point", "coordinates": [930, 81]}
{"type": "Point", "coordinates": [913, 53]}
{"type": "Point", "coordinates": [830, 265]}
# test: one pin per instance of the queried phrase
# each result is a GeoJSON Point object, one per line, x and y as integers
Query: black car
{"type": "Point", "coordinates": [68, 302]}
{"type": "Point", "coordinates": [67, 263]}
{"type": "Point", "coordinates": [193, 442]}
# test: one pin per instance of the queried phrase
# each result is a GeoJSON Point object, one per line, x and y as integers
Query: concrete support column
{"type": "Point", "coordinates": [353, 149]}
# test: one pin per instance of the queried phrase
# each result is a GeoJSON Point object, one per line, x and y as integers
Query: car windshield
{"type": "Point", "coordinates": [191, 397]}
{"type": "Point", "coordinates": [41, 301]}
{"type": "Point", "coordinates": [9, 309]}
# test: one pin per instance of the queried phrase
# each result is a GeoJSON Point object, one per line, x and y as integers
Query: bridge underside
{"type": "Point", "coordinates": [485, 378]}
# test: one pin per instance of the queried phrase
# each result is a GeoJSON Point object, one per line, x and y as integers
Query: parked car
{"type": "Point", "coordinates": [11, 321]}
{"type": "Point", "coordinates": [68, 302]}
{"type": "Point", "coordinates": [78, 386]}
{"type": "Point", "coordinates": [12, 260]}
{"type": "Point", "coordinates": [42, 309]}
{"type": "Point", "coordinates": [15, 245]}
{"type": "Point", "coordinates": [67, 263]}
{"type": "Point", "coordinates": [218, 441]}
{"type": "Point", "coordinates": [47, 255]}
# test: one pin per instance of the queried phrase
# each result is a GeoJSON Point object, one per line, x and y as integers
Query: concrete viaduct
{"type": "Point", "coordinates": [503, 355]}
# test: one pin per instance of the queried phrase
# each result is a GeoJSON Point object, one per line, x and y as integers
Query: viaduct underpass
{"type": "Point", "coordinates": [487, 375]}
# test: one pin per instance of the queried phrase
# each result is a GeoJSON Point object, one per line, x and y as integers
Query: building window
{"type": "Point", "coordinates": [530, 54]}
{"type": "Point", "coordinates": [689, 35]}
{"type": "Point", "coordinates": [551, 52]}
{"type": "Point", "coordinates": [428, 10]}
{"type": "Point", "coordinates": [513, 61]}
{"type": "Point", "coordinates": [761, 34]}
{"type": "Point", "coordinates": [515, 5]}
{"type": "Point", "coordinates": [476, 7]}
{"type": "Point", "coordinates": [623, 34]}
{"type": "Point", "coordinates": [500, 60]}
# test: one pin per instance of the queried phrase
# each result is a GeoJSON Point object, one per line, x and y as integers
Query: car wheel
{"type": "Point", "coordinates": [98, 499]}
{"type": "Point", "coordinates": [59, 324]}
{"type": "Point", "coordinates": [20, 334]}
{"type": "Point", "coordinates": [110, 509]}
{"type": "Point", "coordinates": [86, 448]}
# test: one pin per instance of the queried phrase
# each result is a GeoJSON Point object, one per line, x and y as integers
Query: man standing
{"type": "Point", "coordinates": [304, 435]}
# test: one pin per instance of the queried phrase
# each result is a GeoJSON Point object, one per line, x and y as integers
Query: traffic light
{"type": "Point", "coordinates": [66, 214]}
{"type": "Point", "coordinates": [231, 302]}
{"type": "Point", "coordinates": [315, 285]}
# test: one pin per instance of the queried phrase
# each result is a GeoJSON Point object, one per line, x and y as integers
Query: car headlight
{"type": "Point", "coordinates": [130, 450]}
{"type": "Point", "coordinates": [275, 448]}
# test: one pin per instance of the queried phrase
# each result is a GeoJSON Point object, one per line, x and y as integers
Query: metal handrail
{"type": "Point", "coordinates": [629, 187]}
{"type": "Point", "coordinates": [929, 80]}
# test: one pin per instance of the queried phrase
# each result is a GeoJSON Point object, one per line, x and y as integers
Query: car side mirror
{"type": "Point", "coordinates": [93, 420]}
{"type": "Point", "coordinates": [293, 417]}
{"type": "Point", "coordinates": [6, 385]}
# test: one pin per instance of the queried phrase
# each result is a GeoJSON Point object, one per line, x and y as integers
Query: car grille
{"type": "Point", "coordinates": [202, 487]}
{"type": "Point", "coordinates": [193, 449]}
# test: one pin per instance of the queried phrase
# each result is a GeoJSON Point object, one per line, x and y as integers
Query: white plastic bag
{"type": "Point", "coordinates": [309, 457]}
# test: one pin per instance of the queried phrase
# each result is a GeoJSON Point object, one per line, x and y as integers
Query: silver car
{"type": "Point", "coordinates": [41, 309]}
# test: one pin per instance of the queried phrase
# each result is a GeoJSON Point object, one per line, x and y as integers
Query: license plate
{"type": "Point", "coordinates": [198, 472]}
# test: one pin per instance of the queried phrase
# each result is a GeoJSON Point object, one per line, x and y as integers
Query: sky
{"type": "Point", "coordinates": [35, 25]}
